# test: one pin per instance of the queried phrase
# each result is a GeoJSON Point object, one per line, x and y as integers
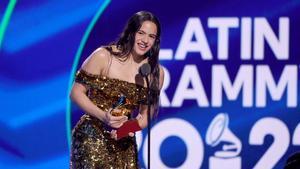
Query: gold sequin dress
{"type": "Point", "coordinates": [92, 147]}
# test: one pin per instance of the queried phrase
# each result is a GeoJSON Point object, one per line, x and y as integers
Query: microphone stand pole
{"type": "Point", "coordinates": [148, 118]}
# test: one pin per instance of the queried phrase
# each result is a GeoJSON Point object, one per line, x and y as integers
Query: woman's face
{"type": "Point", "coordinates": [145, 38]}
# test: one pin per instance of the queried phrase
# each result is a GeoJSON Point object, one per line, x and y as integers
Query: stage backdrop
{"type": "Point", "coordinates": [230, 97]}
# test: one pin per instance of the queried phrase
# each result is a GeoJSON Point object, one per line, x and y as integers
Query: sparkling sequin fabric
{"type": "Point", "coordinates": [92, 147]}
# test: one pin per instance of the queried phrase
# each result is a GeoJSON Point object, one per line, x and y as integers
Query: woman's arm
{"type": "Point", "coordinates": [94, 64]}
{"type": "Point", "coordinates": [142, 117]}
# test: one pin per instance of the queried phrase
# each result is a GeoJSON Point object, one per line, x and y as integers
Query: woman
{"type": "Point", "coordinates": [103, 137]}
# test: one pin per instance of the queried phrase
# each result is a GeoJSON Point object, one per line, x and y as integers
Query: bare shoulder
{"type": "Point", "coordinates": [97, 61]}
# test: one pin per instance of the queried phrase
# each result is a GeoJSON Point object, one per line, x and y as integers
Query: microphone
{"type": "Point", "coordinates": [145, 69]}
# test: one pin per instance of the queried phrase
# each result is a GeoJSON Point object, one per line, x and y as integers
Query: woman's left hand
{"type": "Point", "coordinates": [113, 134]}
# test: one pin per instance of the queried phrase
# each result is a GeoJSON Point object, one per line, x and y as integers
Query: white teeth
{"type": "Point", "coordinates": [142, 45]}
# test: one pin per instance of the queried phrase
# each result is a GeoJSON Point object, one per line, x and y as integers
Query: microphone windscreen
{"type": "Point", "coordinates": [145, 69]}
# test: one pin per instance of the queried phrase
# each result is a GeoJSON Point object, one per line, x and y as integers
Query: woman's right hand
{"type": "Point", "coordinates": [114, 121]}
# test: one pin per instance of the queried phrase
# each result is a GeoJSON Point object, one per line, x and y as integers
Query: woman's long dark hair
{"type": "Point", "coordinates": [126, 42]}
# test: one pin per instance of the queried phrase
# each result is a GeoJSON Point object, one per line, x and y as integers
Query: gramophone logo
{"type": "Point", "coordinates": [218, 132]}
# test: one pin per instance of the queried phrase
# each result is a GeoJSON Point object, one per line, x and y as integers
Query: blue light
{"type": "Point", "coordinates": [36, 24]}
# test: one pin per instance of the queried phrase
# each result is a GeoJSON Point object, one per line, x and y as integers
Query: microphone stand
{"type": "Point", "coordinates": [148, 118]}
{"type": "Point", "coordinates": [145, 70]}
